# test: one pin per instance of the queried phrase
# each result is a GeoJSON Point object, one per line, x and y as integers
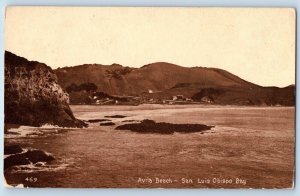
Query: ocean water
{"type": "Point", "coordinates": [248, 147]}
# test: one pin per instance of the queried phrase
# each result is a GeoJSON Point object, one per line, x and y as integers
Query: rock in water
{"type": "Point", "coordinates": [18, 159]}
{"type": "Point", "coordinates": [150, 126]}
{"type": "Point", "coordinates": [107, 124]}
{"type": "Point", "coordinates": [38, 156]}
{"type": "Point", "coordinates": [98, 120]}
{"type": "Point", "coordinates": [32, 156]}
{"type": "Point", "coordinates": [116, 116]}
{"type": "Point", "coordinates": [32, 95]}
{"type": "Point", "coordinates": [12, 149]}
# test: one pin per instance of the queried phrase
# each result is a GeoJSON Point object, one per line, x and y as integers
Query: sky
{"type": "Point", "coordinates": [256, 44]}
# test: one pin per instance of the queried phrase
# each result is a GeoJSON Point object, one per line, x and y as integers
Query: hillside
{"type": "Point", "coordinates": [162, 81]}
{"type": "Point", "coordinates": [115, 79]}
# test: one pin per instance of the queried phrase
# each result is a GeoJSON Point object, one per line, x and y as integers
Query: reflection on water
{"type": "Point", "coordinates": [256, 144]}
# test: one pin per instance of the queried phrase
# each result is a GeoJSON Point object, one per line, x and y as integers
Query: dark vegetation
{"type": "Point", "coordinates": [84, 96]}
{"type": "Point", "coordinates": [118, 73]}
{"type": "Point", "coordinates": [211, 93]}
{"type": "Point", "coordinates": [102, 95]}
{"type": "Point", "coordinates": [88, 87]}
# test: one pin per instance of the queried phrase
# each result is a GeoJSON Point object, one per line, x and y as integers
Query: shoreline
{"type": "Point", "coordinates": [184, 105]}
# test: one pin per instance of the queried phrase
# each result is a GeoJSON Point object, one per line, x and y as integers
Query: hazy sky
{"type": "Point", "coordinates": [257, 45]}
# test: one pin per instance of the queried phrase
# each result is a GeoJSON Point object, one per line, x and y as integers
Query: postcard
{"type": "Point", "coordinates": [149, 97]}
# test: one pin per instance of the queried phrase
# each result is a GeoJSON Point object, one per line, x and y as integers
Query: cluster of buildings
{"type": "Point", "coordinates": [135, 100]}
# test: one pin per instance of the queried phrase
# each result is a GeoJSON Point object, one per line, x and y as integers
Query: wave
{"type": "Point", "coordinates": [39, 167]}
{"type": "Point", "coordinates": [50, 126]}
{"type": "Point", "coordinates": [24, 150]}
{"type": "Point", "coordinates": [30, 131]}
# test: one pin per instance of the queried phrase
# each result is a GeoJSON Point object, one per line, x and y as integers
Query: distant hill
{"type": "Point", "coordinates": [163, 80]}
{"type": "Point", "coordinates": [116, 79]}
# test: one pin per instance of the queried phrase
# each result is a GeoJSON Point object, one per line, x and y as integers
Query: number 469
{"type": "Point", "coordinates": [31, 179]}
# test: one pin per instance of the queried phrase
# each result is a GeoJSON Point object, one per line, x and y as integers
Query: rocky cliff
{"type": "Point", "coordinates": [33, 96]}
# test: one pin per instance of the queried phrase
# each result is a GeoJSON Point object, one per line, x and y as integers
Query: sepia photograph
{"type": "Point", "coordinates": [149, 97]}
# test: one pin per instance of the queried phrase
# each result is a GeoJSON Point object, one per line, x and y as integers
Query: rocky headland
{"type": "Point", "coordinates": [33, 96]}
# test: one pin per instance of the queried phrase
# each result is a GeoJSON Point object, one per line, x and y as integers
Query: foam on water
{"type": "Point", "coordinates": [39, 167]}
{"type": "Point", "coordinates": [23, 151]}
{"type": "Point", "coordinates": [50, 126]}
{"type": "Point", "coordinates": [43, 166]}
{"type": "Point", "coordinates": [29, 131]}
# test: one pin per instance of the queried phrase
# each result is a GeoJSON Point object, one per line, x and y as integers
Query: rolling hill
{"type": "Point", "coordinates": [163, 80]}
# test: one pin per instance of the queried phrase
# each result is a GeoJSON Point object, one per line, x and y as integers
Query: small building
{"type": "Point", "coordinates": [188, 100]}
{"type": "Point", "coordinates": [178, 98]}
{"type": "Point", "coordinates": [207, 99]}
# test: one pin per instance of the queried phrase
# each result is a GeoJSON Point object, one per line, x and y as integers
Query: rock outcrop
{"type": "Point", "coordinates": [12, 149]}
{"type": "Point", "coordinates": [33, 96]}
{"type": "Point", "coordinates": [150, 126]}
{"type": "Point", "coordinates": [24, 158]}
